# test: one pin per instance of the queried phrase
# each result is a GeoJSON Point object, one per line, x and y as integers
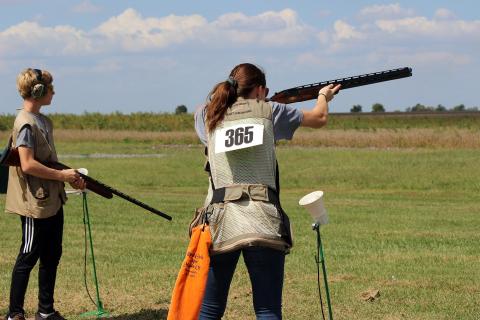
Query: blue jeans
{"type": "Point", "coordinates": [265, 267]}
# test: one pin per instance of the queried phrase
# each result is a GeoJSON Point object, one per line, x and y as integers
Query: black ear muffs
{"type": "Point", "coordinates": [39, 89]}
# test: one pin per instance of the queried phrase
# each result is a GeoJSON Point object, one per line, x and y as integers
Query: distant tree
{"type": "Point", "coordinates": [356, 108]}
{"type": "Point", "coordinates": [378, 107]}
{"type": "Point", "coordinates": [420, 108]}
{"type": "Point", "coordinates": [181, 109]}
{"type": "Point", "coordinates": [460, 107]}
{"type": "Point", "coordinates": [440, 108]}
{"type": "Point", "coordinates": [473, 109]}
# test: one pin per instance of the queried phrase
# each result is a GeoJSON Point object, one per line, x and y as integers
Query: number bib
{"type": "Point", "coordinates": [239, 136]}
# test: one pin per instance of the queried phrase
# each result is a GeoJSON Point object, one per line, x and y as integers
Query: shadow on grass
{"type": "Point", "coordinates": [149, 314]}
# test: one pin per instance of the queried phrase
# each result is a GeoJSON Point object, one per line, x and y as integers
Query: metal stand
{"type": "Point", "coordinates": [100, 312]}
{"type": "Point", "coordinates": [321, 259]}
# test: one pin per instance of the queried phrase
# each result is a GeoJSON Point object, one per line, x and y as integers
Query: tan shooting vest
{"type": "Point", "coordinates": [28, 195]}
{"type": "Point", "coordinates": [245, 209]}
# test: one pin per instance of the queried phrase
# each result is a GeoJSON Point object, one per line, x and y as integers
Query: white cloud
{"type": "Point", "coordinates": [132, 32]}
{"type": "Point", "coordinates": [443, 13]}
{"type": "Point", "coordinates": [269, 20]}
{"type": "Point", "coordinates": [343, 37]}
{"type": "Point", "coordinates": [422, 26]}
{"type": "Point", "coordinates": [345, 31]}
{"type": "Point", "coordinates": [269, 29]}
{"type": "Point", "coordinates": [28, 37]}
{"type": "Point", "coordinates": [392, 21]}
{"type": "Point", "coordinates": [86, 7]}
{"type": "Point", "coordinates": [413, 40]}
{"type": "Point", "coordinates": [384, 11]}
{"type": "Point", "coordinates": [444, 32]}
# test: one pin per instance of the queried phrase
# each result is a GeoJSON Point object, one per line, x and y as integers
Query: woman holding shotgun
{"type": "Point", "coordinates": [239, 129]}
{"type": "Point", "coordinates": [36, 193]}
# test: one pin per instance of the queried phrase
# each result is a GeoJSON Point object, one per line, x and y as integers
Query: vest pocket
{"type": "Point", "coordinates": [38, 193]}
{"type": "Point", "coordinates": [37, 188]}
{"type": "Point", "coordinates": [200, 217]}
{"type": "Point", "coordinates": [43, 197]}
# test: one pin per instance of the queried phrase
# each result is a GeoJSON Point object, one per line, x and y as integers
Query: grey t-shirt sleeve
{"type": "Point", "coordinates": [286, 121]}
{"type": "Point", "coordinates": [25, 137]}
{"type": "Point", "coordinates": [200, 124]}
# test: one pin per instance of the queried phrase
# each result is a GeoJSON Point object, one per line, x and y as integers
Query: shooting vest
{"type": "Point", "coordinates": [28, 195]}
{"type": "Point", "coordinates": [244, 202]}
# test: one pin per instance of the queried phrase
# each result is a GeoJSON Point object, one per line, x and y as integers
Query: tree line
{"type": "Point", "coordinates": [378, 107]}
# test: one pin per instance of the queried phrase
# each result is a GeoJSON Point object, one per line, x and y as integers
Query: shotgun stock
{"type": "Point", "coordinates": [310, 91]}
{"type": "Point", "coordinates": [10, 157]}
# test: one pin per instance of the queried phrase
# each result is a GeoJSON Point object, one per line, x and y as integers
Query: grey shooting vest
{"type": "Point", "coordinates": [243, 202]}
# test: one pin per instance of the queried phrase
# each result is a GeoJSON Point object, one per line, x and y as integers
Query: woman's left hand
{"type": "Point", "coordinates": [329, 91]}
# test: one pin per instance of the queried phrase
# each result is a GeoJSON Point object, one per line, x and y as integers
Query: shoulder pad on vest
{"type": "Point", "coordinates": [248, 108]}
{"type": "Point", "coordinates": [23, 118]}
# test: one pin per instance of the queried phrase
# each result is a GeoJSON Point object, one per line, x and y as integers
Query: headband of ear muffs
{"type": "Point", "coordinates": [39, 89]}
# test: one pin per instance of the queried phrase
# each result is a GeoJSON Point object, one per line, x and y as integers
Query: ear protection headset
{"type": "Point", "coordinates": [39, 89]}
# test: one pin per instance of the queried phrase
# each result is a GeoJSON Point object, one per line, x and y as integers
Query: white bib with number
{"type": "Point", "coordinates": [239, 136]}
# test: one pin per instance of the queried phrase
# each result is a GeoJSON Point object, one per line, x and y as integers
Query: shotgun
{"type": "Point", "coordinates": [310, 91]}
{"type": "Point", "coordinates": [10, 157]}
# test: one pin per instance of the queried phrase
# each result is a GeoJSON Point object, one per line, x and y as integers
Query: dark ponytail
{"type": "Point", "coordinates": [242, 80]}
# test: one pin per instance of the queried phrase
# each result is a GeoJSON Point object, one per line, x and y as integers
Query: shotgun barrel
{"type": "Point", "coordinates": [10, 157]}
{"type": "Point", "coordinates": [310, 91]}
{"type": "Point", "coordinates": [107, 191]}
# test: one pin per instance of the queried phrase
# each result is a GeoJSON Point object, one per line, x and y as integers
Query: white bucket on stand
{"type": "Point", "coordinates": [313, 202]}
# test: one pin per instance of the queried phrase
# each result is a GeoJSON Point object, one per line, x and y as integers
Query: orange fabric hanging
{"type": "Point", "coordinates": [191, 281]}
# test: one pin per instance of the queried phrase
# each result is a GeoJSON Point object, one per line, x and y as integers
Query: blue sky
{"type": "Point", "coordinates": [142, 56]}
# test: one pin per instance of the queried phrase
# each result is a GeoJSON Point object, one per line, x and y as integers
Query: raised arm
{"type": "Point", "coordinates": [318, 115]}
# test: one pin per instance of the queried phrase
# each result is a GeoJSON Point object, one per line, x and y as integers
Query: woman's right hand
{"type": "Point", "coordinates": [70, 175]}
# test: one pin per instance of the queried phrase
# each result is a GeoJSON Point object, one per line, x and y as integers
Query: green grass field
{"type": "Point", "coordinates": [403, 221]}
{"type": "Point", "coordinates": [168, 122]}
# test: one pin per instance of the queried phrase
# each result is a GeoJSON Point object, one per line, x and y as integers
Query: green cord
{"type": "Point", "coordinates": [316, 227]}
{"type": "Point", "coordinates": [86, 220]}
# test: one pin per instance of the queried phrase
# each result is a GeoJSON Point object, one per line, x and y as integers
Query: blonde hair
{"type": "Point", "coordinates": [28, 78]}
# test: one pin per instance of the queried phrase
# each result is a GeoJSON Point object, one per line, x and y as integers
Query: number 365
{"type": "Point", "coordinates": [238, 136]}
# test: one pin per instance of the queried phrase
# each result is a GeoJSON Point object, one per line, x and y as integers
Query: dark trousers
{"type": "Point", "coordinates": [41, 238]}
{"type": "Point", "coordinates": [265, 267]}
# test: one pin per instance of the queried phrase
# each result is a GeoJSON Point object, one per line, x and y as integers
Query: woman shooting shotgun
{"type": "Point", "coordinates": [36, 193]}
{"type": "Point", "coordinates": [239, 129]}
